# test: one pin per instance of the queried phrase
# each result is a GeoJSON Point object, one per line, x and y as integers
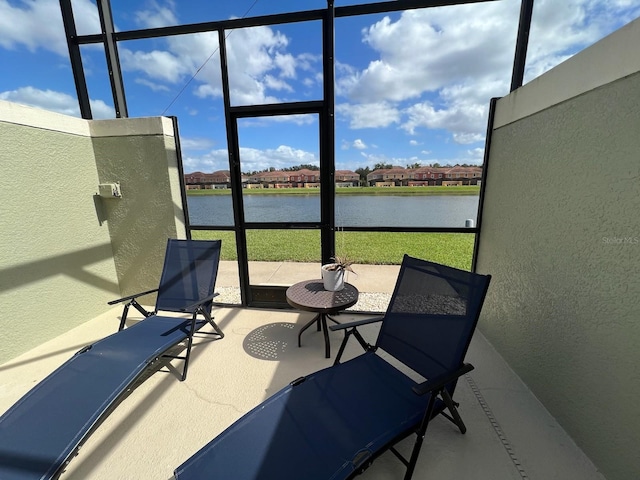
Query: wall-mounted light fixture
{"type": "Point", "coordinates": [110, 190]}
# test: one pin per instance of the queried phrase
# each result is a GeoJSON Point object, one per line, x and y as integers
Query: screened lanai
{"type": "Point", "coordinates": [553, 223]}
{"type": "Point", "coordinates": [326, 29]}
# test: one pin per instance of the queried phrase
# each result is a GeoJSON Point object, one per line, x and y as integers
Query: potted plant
{"type": "Point", "coordinates": [333, 273]}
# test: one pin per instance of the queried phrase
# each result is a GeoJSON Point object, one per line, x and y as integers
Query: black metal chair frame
{"type": "Point", "coordinates": [201, 307]}
{"type": "Point", "coordinates": [449, 300]}
{"type": "Point", "coordinates": [436, 387]}
{"type": "Point", "coordinates": [440, 400]}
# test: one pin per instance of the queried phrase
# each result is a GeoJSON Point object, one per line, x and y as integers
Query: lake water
{"type": "Point", "coordinates": [351, 211]}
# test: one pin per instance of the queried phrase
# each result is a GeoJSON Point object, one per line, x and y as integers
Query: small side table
{"type": "Point", "coordinates": [311, 296]}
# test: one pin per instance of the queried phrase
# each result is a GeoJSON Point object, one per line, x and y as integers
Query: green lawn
{"type": "Point", "coordinates": [454, 249]}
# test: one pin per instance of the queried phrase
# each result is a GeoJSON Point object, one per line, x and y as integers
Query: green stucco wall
{"type": "Point", "coordinates": [141, 155]}
{"type": "Point", "coordinates": [561, 237]}
{"type": "Point", "coordinates": [65, 251]}
{"type": "Point", "coordinates": [56, 266]}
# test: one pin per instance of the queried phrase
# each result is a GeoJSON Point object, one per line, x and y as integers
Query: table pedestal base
{"type": "Point", "coordinates": [321, 320]}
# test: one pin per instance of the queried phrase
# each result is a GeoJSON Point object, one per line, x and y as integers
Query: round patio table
{"type": "Point", "coordinates": [311, 296]}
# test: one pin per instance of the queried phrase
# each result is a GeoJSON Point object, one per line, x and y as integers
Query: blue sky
{"type": "Point", "coordinates": [411, 87]}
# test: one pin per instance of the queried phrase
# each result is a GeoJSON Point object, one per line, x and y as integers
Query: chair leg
{"type": "Point", "coordinates": [125, 312]}
{"type": "Point", "coordinates": [453, 410]}
{"type": "Point", "coordinates": [188, 353]}
{"type": "Point", "coordinates": [420, 434]}
{"type": "Point", "coordinates": [209, 318]}
{"type": "Point", "coordinates": [192, 331]}
{"type": "Point", "coordinates": [218, 330]}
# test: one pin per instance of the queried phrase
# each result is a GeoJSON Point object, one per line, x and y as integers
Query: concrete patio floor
{"type": "Point", "coordinates": [164, 421]}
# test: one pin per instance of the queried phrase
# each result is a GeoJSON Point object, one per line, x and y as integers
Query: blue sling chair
{"type": "Point", "coordinates": [43, 431]}
{"type": "Point", "coordinates": [332, 424]}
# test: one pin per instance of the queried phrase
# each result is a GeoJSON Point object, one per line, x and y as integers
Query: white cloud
{"type": "Point", "coordinates": [473, 156]}
{"type": "Point", "coordinates": [37, 24]}
{"type": "Point", "coordinates": [258, 61]}
{"type": "Point", "coordinates": [283, 156]}
{"type": "Point", "coordinates": [358, 144]}
{"type": "Point", "coordinates": [189, 143]}
{"type": "Point", "coordinates": [436, 68]}
{"type": "Point", "coordinates": [252, 159]}
{"type": "Point", "coordinates": [276, 83]}
{"type": "Point", "coordinates": [210, 162]}
{"type": "Point", "coordinates": [100, 110]}
{"type": "Point", "coordinates": [157, 64]}
{"type": "Point", "coordinates": [302, 119]}
{"type": "Point", "coordinates": [369, 115]}
{"type": "Point", "coordinates": [476, 155]}
{"type": "Point", "coordinates": [157, 15]}
{"type": "Point", "coordinates": [433, 68]}
{"type": "Point", "coordinates": [428, 49]}
{"type": "Point", "coordinates": [204, 91]}
{"type": "Point", "coordinates": [439, 67]}
{"type": "Point", "coordinates": [287, 65]}
{"type": "Point", "coordinates": [560, 29]}
{"type": "Point", "coordinates": [56, 102]}
{"type": "Point", "coordinates": [156, 87]}
{"type": "Point", "coordinates": [373, 158]}
{"type": "Point", "coordinates": [252, 54]}
{"type": "Point", "coordinates": [463, 115]}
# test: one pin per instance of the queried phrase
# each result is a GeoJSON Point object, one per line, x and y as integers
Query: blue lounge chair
{"type": "Point", "coordinates": [186, 286]}
{"type": "Point", "coordinates": [42, 432]}
{"type": "Point", "coordinates": [333, 423]}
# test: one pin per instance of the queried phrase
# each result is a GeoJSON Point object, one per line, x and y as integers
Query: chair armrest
{"type": "Point", "coordinates": [437, 383]}
{"type": "Point", "coordinates": [194, 306]}
{"type": "Point", "coordinates": [131, 297]}
{"type": "Point", "coordinates": [357, 323]}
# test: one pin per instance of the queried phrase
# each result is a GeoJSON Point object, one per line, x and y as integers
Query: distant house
{"type": "Point", "coordinates": [347, 178]}
{"type": "Point", "coordinates": [273, 179]}
{"type": "Point", "coordinates": [395, 176]}
{"type": "Point", "coordinates": [425, 176]}
{"type": "Point", "coordinates": [429, 175]}
{"type": "Point", "coordinates": [200, 181]}
{"type": "Point", "coordinates": [466, 175]}
{"type": "Point", "coordinates": [194, 180]}
{"type": "Point", "coordinates": [306, 178]}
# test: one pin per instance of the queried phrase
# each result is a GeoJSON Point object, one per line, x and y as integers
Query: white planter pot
{"type": "Point", "coordinates": [333, 279]}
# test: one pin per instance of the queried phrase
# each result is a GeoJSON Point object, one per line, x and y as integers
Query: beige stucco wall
{"type": "Point", "coordinates": [561, 236]}
{"type": "Point", "coordinates": [66, 252]}
{"type": "Point", "coordinates": [56, 267]}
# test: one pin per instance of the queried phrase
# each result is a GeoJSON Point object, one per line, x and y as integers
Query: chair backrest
{"type": "Point", "coordinates": [432, 316]}
{"type": "Point", "coordinates": [189, 273]}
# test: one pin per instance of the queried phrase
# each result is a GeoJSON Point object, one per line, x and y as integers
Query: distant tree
{"type": "Point", "coordinates": [414, 165]}
{"type": "Point", "coordinates": [363, 172]}
{"type": "Point", "coordinates": [296, 168]}
{"type": "Point", "coordinates": [272, 169]}
{"type": "Point", "coordinates": [382, 166]}
{"type": "Point", "coordinates": [436, 165]}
